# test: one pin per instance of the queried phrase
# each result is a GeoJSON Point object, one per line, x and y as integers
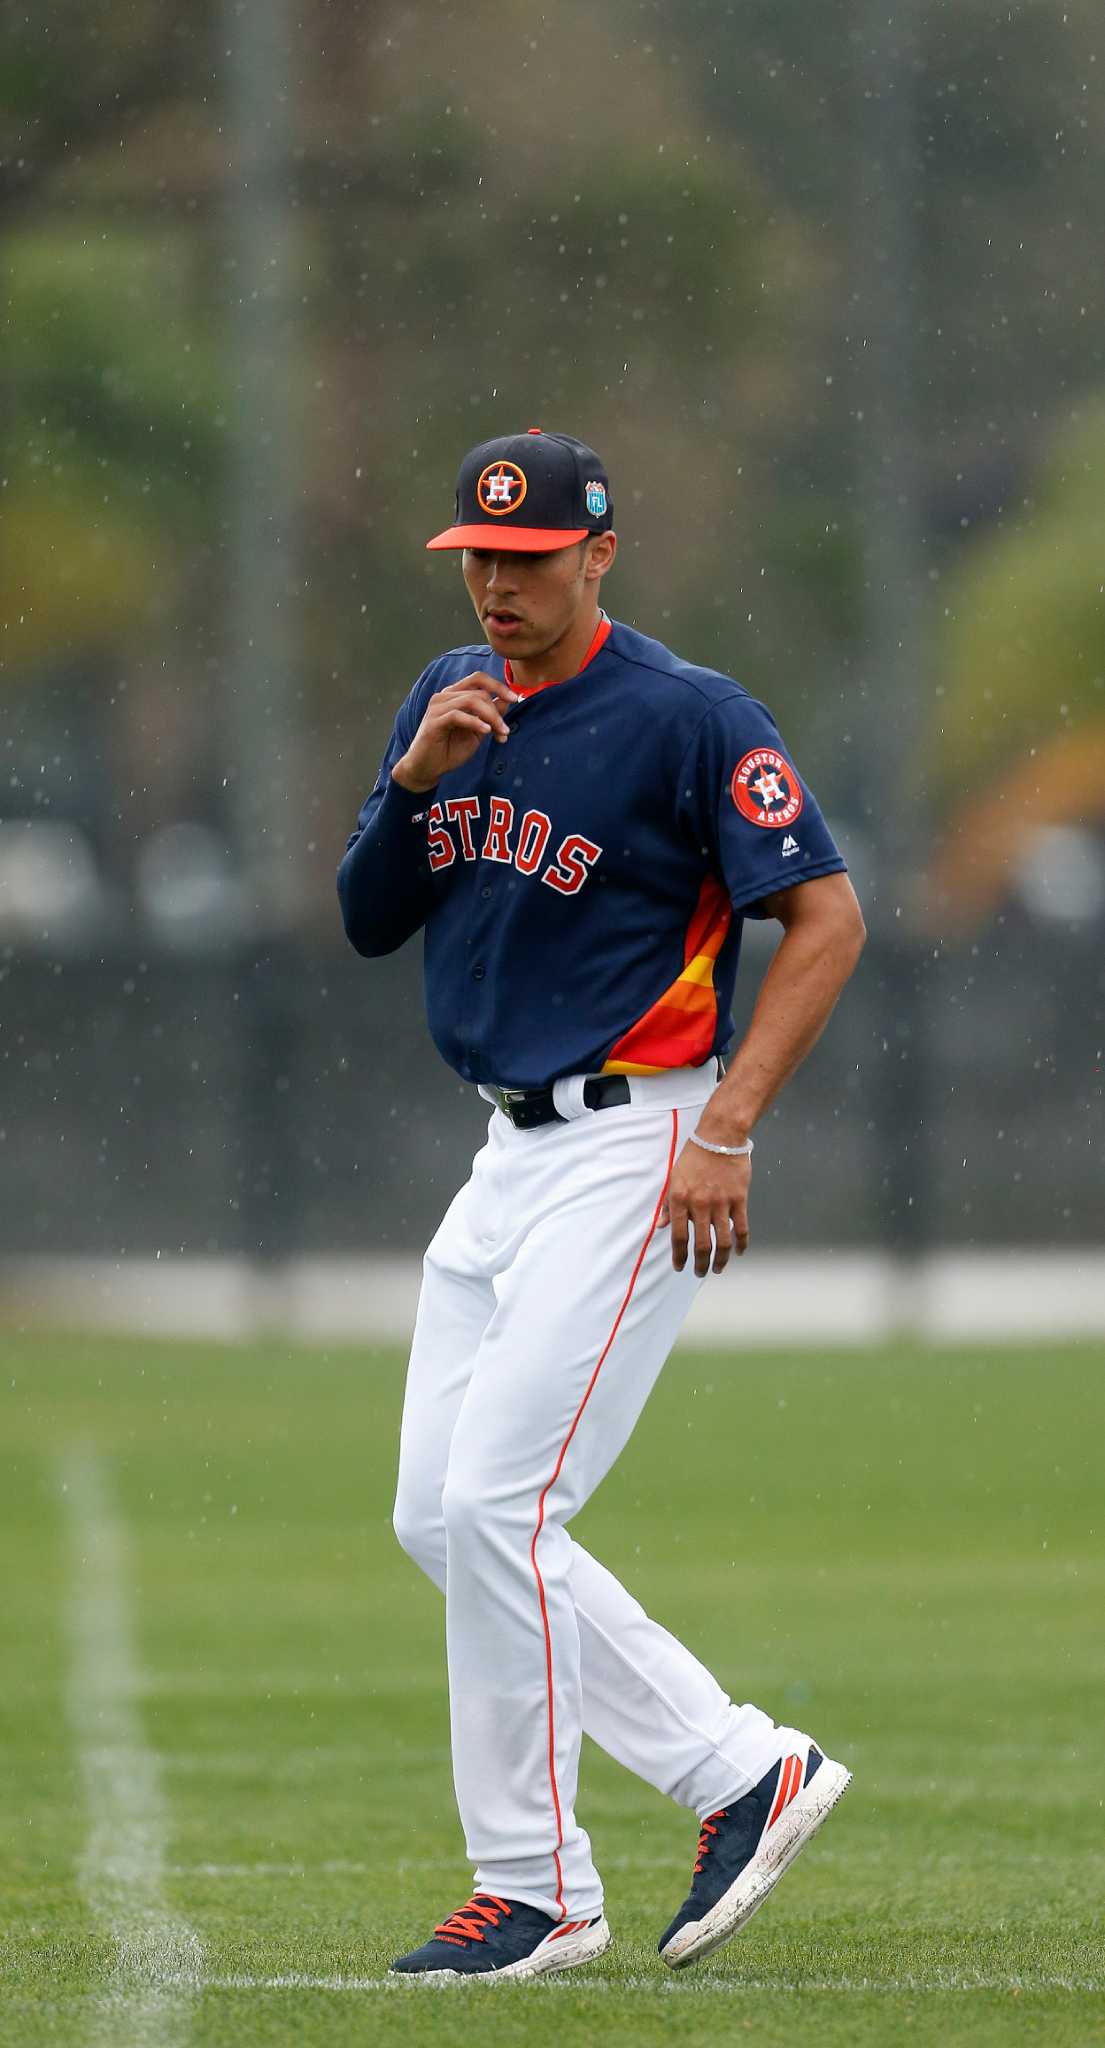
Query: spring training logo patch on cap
{"type": "Point", "coordinates": [766, 789]}
{"type": "Point", "coordinates": [594, 497]}
{"type": "Point", "coordinates": [501, 488]}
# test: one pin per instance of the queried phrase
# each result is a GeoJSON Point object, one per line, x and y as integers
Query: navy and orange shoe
{"type": "Point", "coordinates": [744, 1849]}
{"type": "Point", "coordinates": [492, 1937]}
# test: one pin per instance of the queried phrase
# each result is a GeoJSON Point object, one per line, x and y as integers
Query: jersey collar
{"type": "Point", "coordinates": [602, 635]}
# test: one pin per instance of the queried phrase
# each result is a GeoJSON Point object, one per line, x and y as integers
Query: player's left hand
{"type": "Point", "coordinates": [707, 1201]}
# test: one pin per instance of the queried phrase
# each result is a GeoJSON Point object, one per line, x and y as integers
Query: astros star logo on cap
{"type": "Point", "coordinates": [501, 488]}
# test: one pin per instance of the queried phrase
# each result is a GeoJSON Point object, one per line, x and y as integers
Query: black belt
{"type": "Point", "coordinates": [528, 1107]}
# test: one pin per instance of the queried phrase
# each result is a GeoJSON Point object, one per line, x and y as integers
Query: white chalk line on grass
{"type": "Point", "coordinates": [158, 1963]}
{"type": "Point", "coordinates": [672, 1987]}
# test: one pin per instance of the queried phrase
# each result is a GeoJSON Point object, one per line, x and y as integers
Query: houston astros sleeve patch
{"type": "Point", "coordinates": [766, 789]}
{"type": "Point", "coordinates": [747, 804]}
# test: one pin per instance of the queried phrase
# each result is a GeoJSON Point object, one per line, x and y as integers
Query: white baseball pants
{"type": "Point", "coordinates": [549, 1304]}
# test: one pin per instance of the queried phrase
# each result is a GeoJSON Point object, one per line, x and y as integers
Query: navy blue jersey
{"type": "Point", "coordinates": [583, 887]}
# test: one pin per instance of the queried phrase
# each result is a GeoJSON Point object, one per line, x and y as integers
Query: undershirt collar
{"type": "Point", "coordinates": [602, 634]}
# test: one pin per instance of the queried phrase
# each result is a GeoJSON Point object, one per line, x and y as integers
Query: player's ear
{"type": "Point", "coordinates": [601, 549]}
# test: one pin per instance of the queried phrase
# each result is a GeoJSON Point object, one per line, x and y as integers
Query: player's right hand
{"type": "Point", "coordinates": [455, 722]}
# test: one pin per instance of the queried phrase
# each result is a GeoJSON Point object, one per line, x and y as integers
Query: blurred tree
{"type": "Point", "coordinates": [1019, 737]}
{"type": "Point", "coordinates": [111, 442]}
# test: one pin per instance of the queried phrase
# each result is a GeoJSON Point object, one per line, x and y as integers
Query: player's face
{"type": "Point", "coordinates": [526, 604]}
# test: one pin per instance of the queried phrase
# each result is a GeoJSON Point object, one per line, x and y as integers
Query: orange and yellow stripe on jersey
{"type": "Point", "coordinates": [679, 1029]}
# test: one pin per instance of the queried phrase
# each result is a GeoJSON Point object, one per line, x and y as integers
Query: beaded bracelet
{"type": "Point", "coordinates": [727, 1151]}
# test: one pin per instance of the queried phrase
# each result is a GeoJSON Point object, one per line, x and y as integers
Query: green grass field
{"type": "Point", "coordinates": [224, 1730]}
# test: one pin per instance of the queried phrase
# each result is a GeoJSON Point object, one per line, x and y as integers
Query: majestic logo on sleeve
{"type": "Point", "coordinates": [766, 789]}
{"type": "Point", "coordinates": [501, 488]}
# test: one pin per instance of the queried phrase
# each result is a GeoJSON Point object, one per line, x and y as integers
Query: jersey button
{"type": "Point", "coordinates": [485, 891]}
{"type": "Point", "coordinates": [499, 768]}
{"type": "Point", "coordinates": [478, 973]}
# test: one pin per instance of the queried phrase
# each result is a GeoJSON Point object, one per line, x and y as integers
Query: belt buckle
{"type": "Point", "coordinates": [506, 1098]}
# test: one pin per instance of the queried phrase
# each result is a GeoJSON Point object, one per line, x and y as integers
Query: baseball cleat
{"type": "Point", "coordinates": [744, 1849]}
{"type": "Point", "coordinates": [492, 1937]}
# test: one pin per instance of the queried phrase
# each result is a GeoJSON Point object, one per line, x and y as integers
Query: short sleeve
{"type": "Point", "coordinates": [742, 798]}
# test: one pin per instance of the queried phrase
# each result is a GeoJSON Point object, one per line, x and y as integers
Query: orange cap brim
{"type": "Point", "coordinates": [520, 540]}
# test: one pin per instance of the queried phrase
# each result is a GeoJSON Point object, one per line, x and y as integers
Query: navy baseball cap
{"type": "Point", "coordinates": [529, 492]}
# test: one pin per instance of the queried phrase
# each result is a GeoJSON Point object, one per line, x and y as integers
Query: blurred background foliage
{"type": "Point", "coordinates": [1023, 679]}
{"type": "Point", "coordinates": [642, 224]}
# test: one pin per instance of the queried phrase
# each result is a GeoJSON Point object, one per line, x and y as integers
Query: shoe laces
{"type": "Point", "coordinates": [704, 1837]}
{"type": "Point", "coordinates": [468, 1923]}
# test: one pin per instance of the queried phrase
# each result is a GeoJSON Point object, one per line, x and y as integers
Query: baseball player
{"type": "Point", "coordinates": [580, 822]}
